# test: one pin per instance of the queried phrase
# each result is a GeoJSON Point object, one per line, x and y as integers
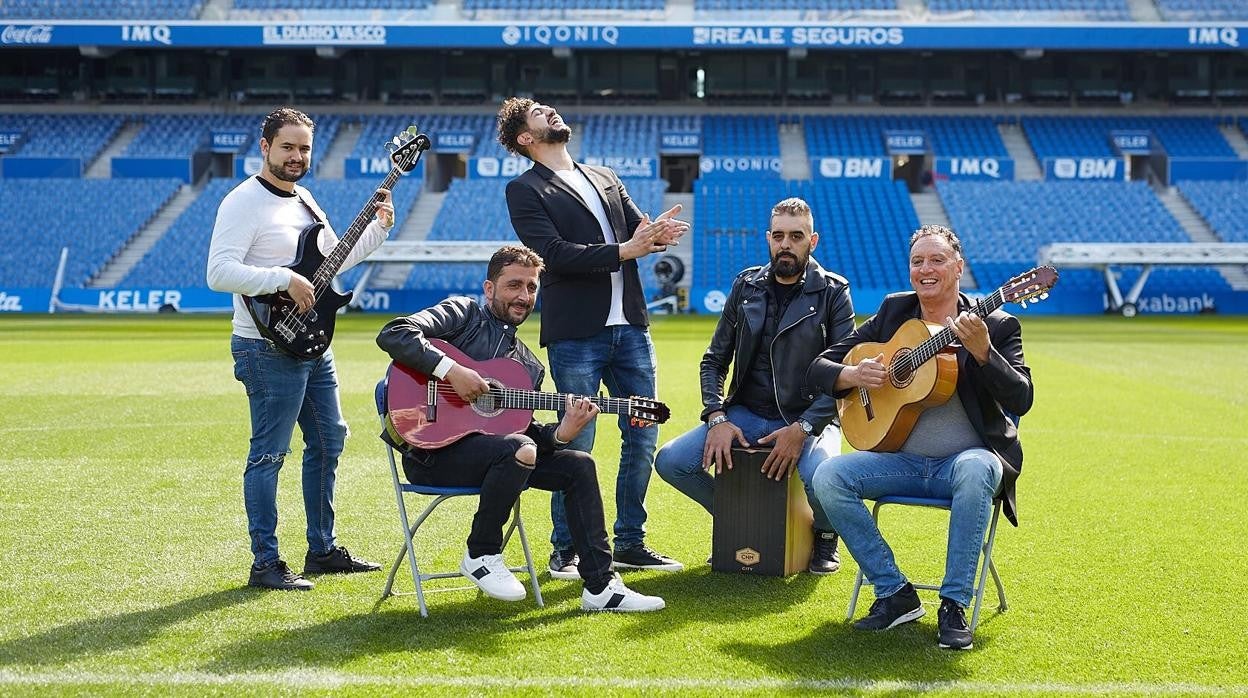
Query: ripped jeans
{"type": "Point", "coordinates": [283, 391]}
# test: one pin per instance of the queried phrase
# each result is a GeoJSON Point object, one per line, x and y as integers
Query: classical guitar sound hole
{"type": "Point", "coordinates": [900, 372]}
{"type": "Point", "coordinates": [490, 404]}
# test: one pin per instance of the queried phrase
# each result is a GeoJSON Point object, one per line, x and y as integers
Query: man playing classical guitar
{"type": "Point", "coordinates": [966, 449]}
{"type": "Point", "coordinates": [502, 466]}
{"type": "Point", "coordinates": [257, 231]}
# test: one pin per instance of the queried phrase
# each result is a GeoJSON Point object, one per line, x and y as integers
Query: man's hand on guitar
{"type": "Point", "coordinates": [301, 292]}
{"type": "Point", "coordinates": [385, 209]}
{"type": "Point", "coordinates": [717, 449]}
{"type": "Point", "coordinates": [869, 373]}
{"type": "Point", "coordinates": [576, 414]}
{"type": "Point", "coordinates": [972, 331]}
{"type": "Point", "coordinates": [468, 384]}
{"type": "Point", "coordinates": [789, 441]}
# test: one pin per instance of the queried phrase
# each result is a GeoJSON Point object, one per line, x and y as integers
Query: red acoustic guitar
{"type": "Point", "coordinates": [427, 413]}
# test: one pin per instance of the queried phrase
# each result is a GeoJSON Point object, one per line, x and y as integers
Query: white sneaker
{"type": "Point", "coordinates": [490, 573]}
{"type": "Point", "coordinates": [617, 597]}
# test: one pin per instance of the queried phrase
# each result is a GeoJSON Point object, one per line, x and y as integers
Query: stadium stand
{"type": "Point", "coordinates": [105, 214]}
{"type": "Point", "coordinates": [1203, 10]}
{"type": "Point", "coordinates": [1052, 136]}
{"type": "Point", "coordinates": [100, 9]}
{"type": "Point", "coordinates": [864, 135]}
{"type": "Point", "coordinates": [741, 135]}
{"type": "Point", "coordinates": [62, 135]}
{"type": "Point", "coordinates": [620, 136]}
{"type": "Point", "coordinates": [820, 6]}
{"type": "Point", "coordinates": [1002, 224]}
{"type": "Point", "coordinates": [1223, 205]}
{"type": "Point", "coordinates": [1096, 10]}
{"type": "Point", "coordinates": [863, 227]}
{"type": "Point", "coordinates": [181, 135]}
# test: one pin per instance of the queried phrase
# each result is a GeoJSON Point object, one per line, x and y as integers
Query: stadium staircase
{"type": "Point", "coordinates": [1196, 226]}
{"type": "Point", "coordinates": [216, 10]}
{"type": "Point", "coordinates": [930, 210]}
{"type": "Point", "coordinates": [1026, 167]}
{"type": "Point", "coordinates": [794, 160]}
{"type": "Point", "coordinates": [102, 166]}
{"type": "Point", "coordinates": [1144, 10]}
{"type": "Point", "coordinates": [416, 227]}
{"type": "Point", "coordinates": [120, 265]}
{"type": "Point", "coordinates": [331, 166]}
{"type": "Point", "coordinates": [1235, 137]}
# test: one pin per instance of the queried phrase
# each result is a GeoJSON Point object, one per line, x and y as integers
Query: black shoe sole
{"type": "Point", "coordinates": [265, 586]}
{"type": "Point", "coordinates": [307, 572]}
{"type": "Point", "coordinates": [671, 567]}
{"type": "Point", "coordinates": [943, 646]}
{"type": "Point", "coordinates": [823, 572]}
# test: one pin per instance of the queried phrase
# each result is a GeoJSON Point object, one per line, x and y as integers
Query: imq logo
{"type": "Point", "coordinates": [147, 34]}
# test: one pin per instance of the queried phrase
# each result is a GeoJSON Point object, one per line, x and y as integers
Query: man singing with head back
{"type": "Point", "coordinates": [502, 466]}
{"type": "Point", "coordinates": [965, 449]}
{"type": "Point", "coordinates": [580, 219]}
{"type": "Point", "coordinates": [777, 319]}
{"type": "Point", "coordinates": [256, 233]}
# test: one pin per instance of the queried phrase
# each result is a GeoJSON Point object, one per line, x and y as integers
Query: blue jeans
{"type": "Point", "coordinates": [283, 391]}
{"type": "Point", "coordinates": [970, 479]}
{"type": "Point", "coordinates": [622, 358]}
{"type": "Point", "coordinates": [679, 462]}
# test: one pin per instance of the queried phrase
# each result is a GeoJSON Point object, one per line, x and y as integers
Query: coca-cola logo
{"type": "Point", "coordinates": [34, 34]}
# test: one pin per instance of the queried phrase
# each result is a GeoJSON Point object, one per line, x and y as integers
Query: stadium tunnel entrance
{"type": "Point", "coordinates": [913, 170]}
{"type": "Point", "coordinates": [680, 171]}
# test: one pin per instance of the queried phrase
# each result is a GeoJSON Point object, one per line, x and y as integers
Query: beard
{"type": "Point", "coordinates": [554, 134]}
{"type": "Point", "coordinates": [787, 265]}
{"type": "Point", "coordinates": [278, 169]}
{"type": "Point", "coordinates": [515, 313]}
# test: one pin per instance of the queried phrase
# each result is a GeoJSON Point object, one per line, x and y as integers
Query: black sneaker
{"type": "Point", "coordinates": [564, 564]}
{"type": "Point", "coordinates": [337, 561]}
{"type": "Point", "coordinates": [823, 556]}
{"type": "Point", "coordinates": [643, 558]}
{"type": "Point", "coordinates": [277, 575]}
{"type": "Point", "coordinates": [954, 632]}
{"type": "Point", "coordinates": [892, 611]}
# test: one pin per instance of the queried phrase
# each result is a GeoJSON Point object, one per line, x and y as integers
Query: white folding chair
{"type": "Point", "coordinates": [409, 528]}
{"type": "Point", "coordinates": [986, 566]}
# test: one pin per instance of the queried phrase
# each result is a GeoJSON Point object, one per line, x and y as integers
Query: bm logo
{"type": "Point", "coordinates": [748, 557]}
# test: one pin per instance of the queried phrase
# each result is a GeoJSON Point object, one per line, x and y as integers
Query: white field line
{"type": "Point", "coordinates": [317, 679]}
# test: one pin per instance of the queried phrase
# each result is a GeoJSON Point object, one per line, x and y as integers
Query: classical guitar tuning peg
{"type": "Point", "coordinates": [412, 130]}
{"type": "Point", "coordinates": [1044, 296]}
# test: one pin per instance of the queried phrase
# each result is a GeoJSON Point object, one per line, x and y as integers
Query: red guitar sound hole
{"type": "Point", "coordinates": [490, 404]}
{"type": "Point", "coordinates": [900, 373]}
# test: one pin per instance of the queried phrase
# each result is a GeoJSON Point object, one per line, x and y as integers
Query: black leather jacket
{"type": "Point", "coordinates": [462, 322]}
{"type": "Point", "coordinates": [819, 317]}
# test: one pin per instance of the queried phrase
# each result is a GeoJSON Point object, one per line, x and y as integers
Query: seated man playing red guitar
{"type": "Point", "coordinates": [503, 465]}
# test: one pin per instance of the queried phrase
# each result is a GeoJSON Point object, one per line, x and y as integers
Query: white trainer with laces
{"type": "Point", "coordinates": [490, 573]}
{"type": "Point", "coordinates": [617, 597]}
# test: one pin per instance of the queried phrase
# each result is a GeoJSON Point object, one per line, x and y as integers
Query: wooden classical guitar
{"type": "Point", "coordinates": [921, 370]}
{"type": "Point", "coordinates": [427, 413]}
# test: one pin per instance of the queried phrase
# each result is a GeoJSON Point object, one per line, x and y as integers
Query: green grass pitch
{"type": "Point", "coordinates": [125, 546]}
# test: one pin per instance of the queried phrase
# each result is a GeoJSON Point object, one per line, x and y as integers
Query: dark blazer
{"type": "Point", "coordinates": [990, 393]}
{"type": "Point", "coordinates": [551, 219]}
{"type": "Point", "coordinates": [820, 316]}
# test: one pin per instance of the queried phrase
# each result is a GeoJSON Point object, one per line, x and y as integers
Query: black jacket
{"type": "Point", "coordinates": [550, 218]}
{"type": "Point", "coordinates": [989, 393]}
{"type": "Point", "coordinates": [818, 317]}
{"type": "Point", "coordinates": [462, 322]}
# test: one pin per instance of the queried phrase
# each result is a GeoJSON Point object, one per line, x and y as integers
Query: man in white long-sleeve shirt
{"type": "Point", "coordinates": [256, 234]}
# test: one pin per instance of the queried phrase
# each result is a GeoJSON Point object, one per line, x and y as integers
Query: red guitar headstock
{"type": "Point", "coordinates": [646, 411]}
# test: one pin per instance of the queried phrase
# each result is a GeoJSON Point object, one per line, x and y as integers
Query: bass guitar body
{"type": "Point", "coordinates": [301, 335]}
{"type": "Point", "coordinates": [881, 419]}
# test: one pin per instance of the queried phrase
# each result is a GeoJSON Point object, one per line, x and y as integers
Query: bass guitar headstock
{"type": "Point", "coordinates": [406, 147]}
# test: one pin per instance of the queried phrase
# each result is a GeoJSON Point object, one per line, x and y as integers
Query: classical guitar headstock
{"type": "Point", "coordinates": [1031, 286]}
{"type": "Point", "coordinates": [406, 147]}
{"type": "Point", "coordinates": [646, 411]}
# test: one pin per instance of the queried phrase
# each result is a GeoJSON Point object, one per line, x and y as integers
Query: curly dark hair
{"type": "Point", "coordinates": [284, 116]}
{"type": "Point", "coordinates": [512, 121]}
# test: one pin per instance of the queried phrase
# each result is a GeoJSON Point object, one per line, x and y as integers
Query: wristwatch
{"type": "Point", "coordinates": [716, 421]}
{"type": "Point", "coordinates": [806, 426]}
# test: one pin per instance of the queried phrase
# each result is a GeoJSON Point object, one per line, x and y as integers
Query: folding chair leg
{"type": "Point", "coordinates": [985, 568]}
{"type": "Point", "coordinates": [409, 550]}
{"type": "Point", "coordinates": [528, 558]}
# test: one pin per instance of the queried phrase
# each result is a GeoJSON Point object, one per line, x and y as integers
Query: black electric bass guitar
{"type": "Point", "coordinates": [306, 335]}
